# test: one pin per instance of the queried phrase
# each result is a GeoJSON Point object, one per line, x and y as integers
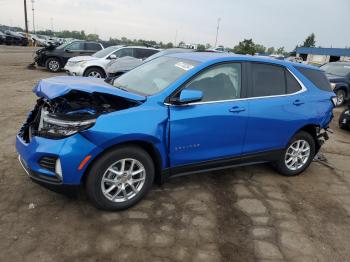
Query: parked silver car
{"type": "Point", "coordinates": [95, 65]}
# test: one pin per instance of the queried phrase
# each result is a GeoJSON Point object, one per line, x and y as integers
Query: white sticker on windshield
{"type": "Point", "coordinates": [184, 66]}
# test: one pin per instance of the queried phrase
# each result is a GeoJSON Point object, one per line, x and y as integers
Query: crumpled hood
{"type": "Point", "coordinates": [60, 85]}
{"type": "Point", "coordinates": [82, 58]}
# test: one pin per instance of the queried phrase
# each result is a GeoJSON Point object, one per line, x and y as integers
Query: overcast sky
{"type": "Point", "coordinates": [269, 22]}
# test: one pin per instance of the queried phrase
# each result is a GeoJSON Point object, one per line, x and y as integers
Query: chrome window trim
{"type": "Point", "coordinates": [302, 90]}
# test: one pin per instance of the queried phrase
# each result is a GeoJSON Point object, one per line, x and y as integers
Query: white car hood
{"type": "Point", "coordinates": [82, 58]}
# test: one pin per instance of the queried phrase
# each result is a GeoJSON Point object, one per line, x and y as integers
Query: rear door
{"type": "Point", "coordinates": [276, 107]}
{"type": "Point", "coordinates": [72, 50]}
{"type": "Point", "coordinates": [213, 128]}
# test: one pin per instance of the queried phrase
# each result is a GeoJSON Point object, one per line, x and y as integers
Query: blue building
{"type": "Point", "coordinates": [320, 55]}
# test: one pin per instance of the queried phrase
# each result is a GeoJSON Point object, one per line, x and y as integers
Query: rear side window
{"type": "Point", "coordinates": [92, 46]}
{"type": "Point", "coordinates": [267, 80]}
{"type": "Point", "coordinates": [293, 85]}
{"type": "Point", "coordinates": [317, 77]}
{"type": "Point", "coordinates": [144, 53]}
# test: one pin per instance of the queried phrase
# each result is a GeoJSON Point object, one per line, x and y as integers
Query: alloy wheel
{"type": "Point", "coordinates": [123, 180]}
{"type": "Point", "coordinates": [94, 74]}
{"type": "Point", "coordinates": [340, 97]}
{"type": "Point", "coordinates": [54, 65]}
{"type": "Point", "coordinates": [297, 155]}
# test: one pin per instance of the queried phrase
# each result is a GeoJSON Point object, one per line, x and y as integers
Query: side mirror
{"type": "Point", "coordinates": [188, 96]}
{"type": "Point", "coordinates": [112, 57]}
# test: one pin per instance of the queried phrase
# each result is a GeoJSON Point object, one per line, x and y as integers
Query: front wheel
{"type": "Point", "coordinates": [120, 178]}
{"type": "Point", "coordinates": [297, 156]}
{"type": "Point", "coordinates": [95, 72]}
{"type": "Point", "coordinates": [53, 64]}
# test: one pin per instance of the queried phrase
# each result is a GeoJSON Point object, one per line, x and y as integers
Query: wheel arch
{"type": "Point", "coordinates": [145, 145]}
{"type": "Point", "coordinates": [95, 66]}
{"type": "Point", "coordinates": [312, 129]}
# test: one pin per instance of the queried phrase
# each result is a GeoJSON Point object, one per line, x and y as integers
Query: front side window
{"type": "Point", "coordinates": [154, 76]}
{"type": "Point", "coordinates": [76, 46]}
{"type": "Point", "coordinates": [221, 82]}
{"type": "Point", "coordinates": [144, 53]}
{"type": "Point", "coordinates": [267, 80]}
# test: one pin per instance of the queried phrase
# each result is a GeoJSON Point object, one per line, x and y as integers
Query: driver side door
{"type": "Point", "coordinates": [214, 128]}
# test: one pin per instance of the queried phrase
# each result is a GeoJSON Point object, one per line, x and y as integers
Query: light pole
{"type": "Point", "coordinates": [175, 38]}
{"type": "Point", "coordinates": [33, 16]}
{"type": "Point", "coordinates": [25, 16]}
{"type": "Point", "coordinates": [51, 20]}
{"type": "Point", "coordinates": [217, 31]}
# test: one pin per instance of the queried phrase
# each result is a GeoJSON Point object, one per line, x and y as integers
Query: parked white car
{"type": "Point", "coordinates": [95, 65]}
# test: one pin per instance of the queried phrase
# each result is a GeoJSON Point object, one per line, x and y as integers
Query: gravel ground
{"type": "Point", "coordinates": [241, 214]}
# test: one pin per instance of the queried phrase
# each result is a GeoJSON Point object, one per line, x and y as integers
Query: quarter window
{"type": "Point", "coordinates": [317, 77]}
{"type": "Point", "coordinates": [267, 80]}
{"type": "Point", "coordinates": [221, 82]}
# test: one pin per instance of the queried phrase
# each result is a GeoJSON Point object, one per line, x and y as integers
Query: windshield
{"type": "Point", "coordinates": [154, 76]}
{"type": "Point", "coordinates": [104, 52]}
{"type": "Point", "coordinates": [337, 69]}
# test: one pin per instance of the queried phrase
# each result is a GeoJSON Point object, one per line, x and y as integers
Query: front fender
{"type": "Point", "coordinates": [139, 124]}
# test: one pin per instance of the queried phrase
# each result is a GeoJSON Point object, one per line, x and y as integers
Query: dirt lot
{"type": "Point", "coordinates": [242, 214]}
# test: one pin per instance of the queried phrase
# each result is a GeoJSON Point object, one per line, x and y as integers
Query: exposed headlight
{"type": "Point", "coordinates": [52, 127]}
{"type": "Point", "coordinates": [333, 85]}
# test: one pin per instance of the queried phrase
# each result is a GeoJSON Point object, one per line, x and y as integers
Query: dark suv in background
{"type": "Point", "coordinates": [55, 58]}
{"type": "Point", "coordinates": [338, 74]}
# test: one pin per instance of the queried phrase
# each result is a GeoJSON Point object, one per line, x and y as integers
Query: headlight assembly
{"type": "Point", "coordinates": [52, 127]}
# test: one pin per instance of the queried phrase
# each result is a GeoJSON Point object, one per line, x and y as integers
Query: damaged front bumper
{"type": "Point", "coordinates": [39, 158]}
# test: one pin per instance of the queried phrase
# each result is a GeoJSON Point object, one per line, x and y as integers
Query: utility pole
{"type": "Point", "coordinates": [33, 16]}
{"type": "Point", "coordinates": [25, 16]}
{"type": "Point", "coordinates": [217, 32]}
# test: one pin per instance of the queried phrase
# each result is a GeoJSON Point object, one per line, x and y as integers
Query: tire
{"type": "Point", "coordinates": [99, 178]}
{"type": "Point", "coordinates": [283, 165]}
{"type": "Point", "coordinates": [344, 117]}
{"type": "Point", "coordinates": [340, 97]}
{"type": "Point", "coordinates": [95, 72]}
{"type": "Point", "coordinates": [53, 64]}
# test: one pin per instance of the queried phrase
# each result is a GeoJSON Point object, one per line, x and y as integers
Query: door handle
{"type": "Point", "coordinates": [237, 109]}
{"type": "Point", "coordinates": [298, 102]}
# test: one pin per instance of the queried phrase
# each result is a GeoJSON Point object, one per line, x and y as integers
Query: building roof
{"type": "Point", "coordinates": [324, 51]}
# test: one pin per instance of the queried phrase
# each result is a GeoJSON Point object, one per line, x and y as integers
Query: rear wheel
{"type": "Point", "coordinates": [95, 72]}
{"type": "Point", "coordinates": [340, 97]}
{"type": "Point", "coordinates": [120, 178]}
{"type": "Point", "coordinates": [297, 156]}
{"type": "Point", "coordinates": [53, 64]}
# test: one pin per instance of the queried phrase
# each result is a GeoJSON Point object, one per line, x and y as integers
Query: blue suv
{"type": "Point", "coordinates": [178, 114]}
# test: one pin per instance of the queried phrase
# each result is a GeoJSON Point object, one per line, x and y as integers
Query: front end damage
{"type": "Point", "coordinates": [69, 114]}
{"type": "Point", "coordinates": [51, 143]}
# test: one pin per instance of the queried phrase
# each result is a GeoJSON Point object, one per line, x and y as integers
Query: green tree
{"type": "Point", "coordinates": [280, 50]}
{"type": "Point", "coordinates": [310, 41]}
{"type": "Point", "coordinates": [200, 47]}
{"type": "Point", "coordinates": [260, 49]}
{"type": "Point", "coordinates": [169, 45]}
{"type": "Point", "coordinates": [92, 37]}
{"type": "Point", "coordinates": [245, 47]}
